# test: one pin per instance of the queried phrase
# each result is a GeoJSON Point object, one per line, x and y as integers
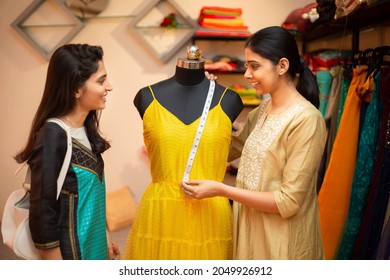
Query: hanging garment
{"type": "Point", "coordinates": [378, 197]}
{"type": "Point", "coordinates": [333, 105]}
{"type": "Point", "coordinates": [168, 225]}
{"type": "Point", "coordinates": [330, 120]}
{"type": "Point", "coordinates": [368, 148]}
{"type": "Point", "coordinates": [324, 82]}
{"type": "Point", "coordinates": [347, 77]}
{"type": "Point", "coordinates": [383, 250]}
{"type": "Point", "coordinates": [335, 190]}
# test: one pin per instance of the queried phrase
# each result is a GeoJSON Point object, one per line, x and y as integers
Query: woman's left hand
{"type": "Point", "coordinates": [210, 76]}
{"type": "Point", "coordinates": [200, 188]}
{"type": "Point", "coordinates": [113, 250]}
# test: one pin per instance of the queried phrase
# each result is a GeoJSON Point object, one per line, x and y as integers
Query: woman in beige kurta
{"type": "Point", "coordinates": [276, 212]}
{"type": "Point", "coordinates": [275, 159]}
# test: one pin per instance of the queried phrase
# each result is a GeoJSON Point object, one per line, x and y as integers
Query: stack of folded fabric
{"type": "Point", "coordinates": [221, 21]}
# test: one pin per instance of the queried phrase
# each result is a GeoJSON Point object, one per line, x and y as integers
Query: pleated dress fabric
{"type": "Point", "coordinates": [168, 225]}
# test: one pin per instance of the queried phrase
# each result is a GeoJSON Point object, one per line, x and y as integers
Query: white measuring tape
{"type": "Point", "coordinates": [199, 131]}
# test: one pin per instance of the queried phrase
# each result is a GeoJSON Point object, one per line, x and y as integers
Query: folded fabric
{"type": "Point", "coordinates": [224, 22]}
{"type": "Point", "coordinates": [221, 11]}
{"type": "Point", "coordinates": [202, 16]}
{"type": "Point", "coordinates": [222, 27]}
{"type": "Point", "coordinates": [221, 32]}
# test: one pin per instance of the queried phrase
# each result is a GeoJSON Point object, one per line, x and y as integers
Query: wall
{"type": "Point", "coordinates": [129, 67]}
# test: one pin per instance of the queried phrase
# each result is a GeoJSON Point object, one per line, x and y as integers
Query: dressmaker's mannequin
{"type": "Point", "coordinates": [185, 93]}
{"type": "Point", "coordinates": [175, 230]}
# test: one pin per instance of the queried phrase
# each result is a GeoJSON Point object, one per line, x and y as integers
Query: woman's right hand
{"type": "Point", "coordinates": [201, 188]}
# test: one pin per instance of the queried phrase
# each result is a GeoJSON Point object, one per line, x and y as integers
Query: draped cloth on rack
{"type": "Point", "coordinates": [378, 197]}
{"type": "Point", "coordinates": [334, 102]}
{"type": "Point", "coordinates": [330, 120]}
{"type": "Point", "coordinates": [335, 191]}
{"type": "Point", "coordinates": [367, 151]}
{"type": "Point", "coordinates": [324, 82]}
{"type": "Point", "coordinates": [345, 83]}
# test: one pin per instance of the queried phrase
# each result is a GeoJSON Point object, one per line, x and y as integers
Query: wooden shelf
{"type": "Point", "coordinates": [197, 37]}
{"type": "Point", "coordinates": [218, 38]}
{"type": "Point", "coordinates": [363, 16]}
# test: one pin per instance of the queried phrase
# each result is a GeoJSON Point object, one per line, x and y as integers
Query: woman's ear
{"type": "Point", "coordinates": [284, 65]}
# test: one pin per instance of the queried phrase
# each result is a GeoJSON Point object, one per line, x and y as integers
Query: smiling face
{"type": "Point", "coordinates": [92, 96]}
{"type": "Point", "coordinates": [261, 72]}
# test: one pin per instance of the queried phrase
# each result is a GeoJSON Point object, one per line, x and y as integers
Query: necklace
{"type": "Point", "coordinates": [71, 124]}
{"type": "Point", "coordinates": [283, 109]}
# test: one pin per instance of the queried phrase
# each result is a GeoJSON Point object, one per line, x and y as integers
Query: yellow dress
{"type": "Point", "coordinates": [167, 224]}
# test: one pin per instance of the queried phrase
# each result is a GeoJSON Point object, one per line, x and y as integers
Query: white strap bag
{"type": "Point", "coordinates": [15, 225]}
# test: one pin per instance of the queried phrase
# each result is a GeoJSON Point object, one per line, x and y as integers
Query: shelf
{"type": "Point", "coordinates": [363, 16]}
{"type": "Point", "coordinates": [46, 25]}
{"type": "Point", "coordinates": [241, 72]}
{"type": "Point", "coordinates": [218, 38]}
{"type": "Point", "coordinates": [162, 42]}
{"type": "Point", "coordinates": [239, 38]}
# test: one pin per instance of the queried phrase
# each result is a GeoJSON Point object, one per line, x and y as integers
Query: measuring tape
{"type": "Point", "coordinates": [199, 131]}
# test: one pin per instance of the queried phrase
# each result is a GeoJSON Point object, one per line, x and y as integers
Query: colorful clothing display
{"type": "Point", "coordinates": [221, 21]}
{"type": "Point", "coordinates": [373, 221]}
{"type": "Point", "coordinates": [168, 225]}
{"type": "Point", "coordinates": [367, 151]}
{"type": "Point", "coordinates": [333, 202]}
{"type": "Point", "coordinates": [354, 198]}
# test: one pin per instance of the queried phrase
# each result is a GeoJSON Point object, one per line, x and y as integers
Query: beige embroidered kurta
{"type": "Point", "coordinates": [281, 155]}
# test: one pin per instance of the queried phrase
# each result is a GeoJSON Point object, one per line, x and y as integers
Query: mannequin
{"type": "Point", "coordinates": [167, 224]}
{"type": "Point", "coordinates": [184, 94]}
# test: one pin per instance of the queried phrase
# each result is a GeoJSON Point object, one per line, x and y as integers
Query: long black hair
{"type": "Point", "coordinates": [274, 43]}
{"type": "Point", "coordinates": [69, 68]}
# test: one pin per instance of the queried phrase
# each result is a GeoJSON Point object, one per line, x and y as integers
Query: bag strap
{"type": "Point", "coordinates": [68, 155]}
{"type": "Point", "coordinates": [199, 131]}
{"type": "Point", "coordinates": [65, 164]}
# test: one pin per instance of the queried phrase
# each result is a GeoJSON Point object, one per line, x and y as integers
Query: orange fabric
{"type": "Point", "coordinates": [218, 10]}
{"type": "Point", "coordinates": [336, 187]}
{"type": "Point", "coordinates": [224, 22]}
{"type": "Point", "coordinates": [213, 26]}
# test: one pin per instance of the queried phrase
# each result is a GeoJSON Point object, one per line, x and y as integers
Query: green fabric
{"type": "Point", "coordinates": [345, 83]}
{"type": "Point", "coordinates": [324, 82]}
{"type": "Point", "coordinates": [91, 213]}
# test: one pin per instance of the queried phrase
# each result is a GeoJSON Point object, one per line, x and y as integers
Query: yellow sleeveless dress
{"type": "Point", "coordinates": [168, 225]}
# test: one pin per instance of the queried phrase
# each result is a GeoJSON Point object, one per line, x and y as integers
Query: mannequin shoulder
{"type": "Point", "coordinates": [145, 95]}
{"type": "Point", "coordinates": [142, 100]}
{"type": "Point", "coordinates": [232, 104]}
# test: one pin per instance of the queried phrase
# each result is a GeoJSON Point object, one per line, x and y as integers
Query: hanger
{"type": "Point", "coordinates": [382, 55]}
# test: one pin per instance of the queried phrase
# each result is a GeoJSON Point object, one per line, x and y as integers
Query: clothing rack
{"type": "Point", "coordinates": [377, 56]}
